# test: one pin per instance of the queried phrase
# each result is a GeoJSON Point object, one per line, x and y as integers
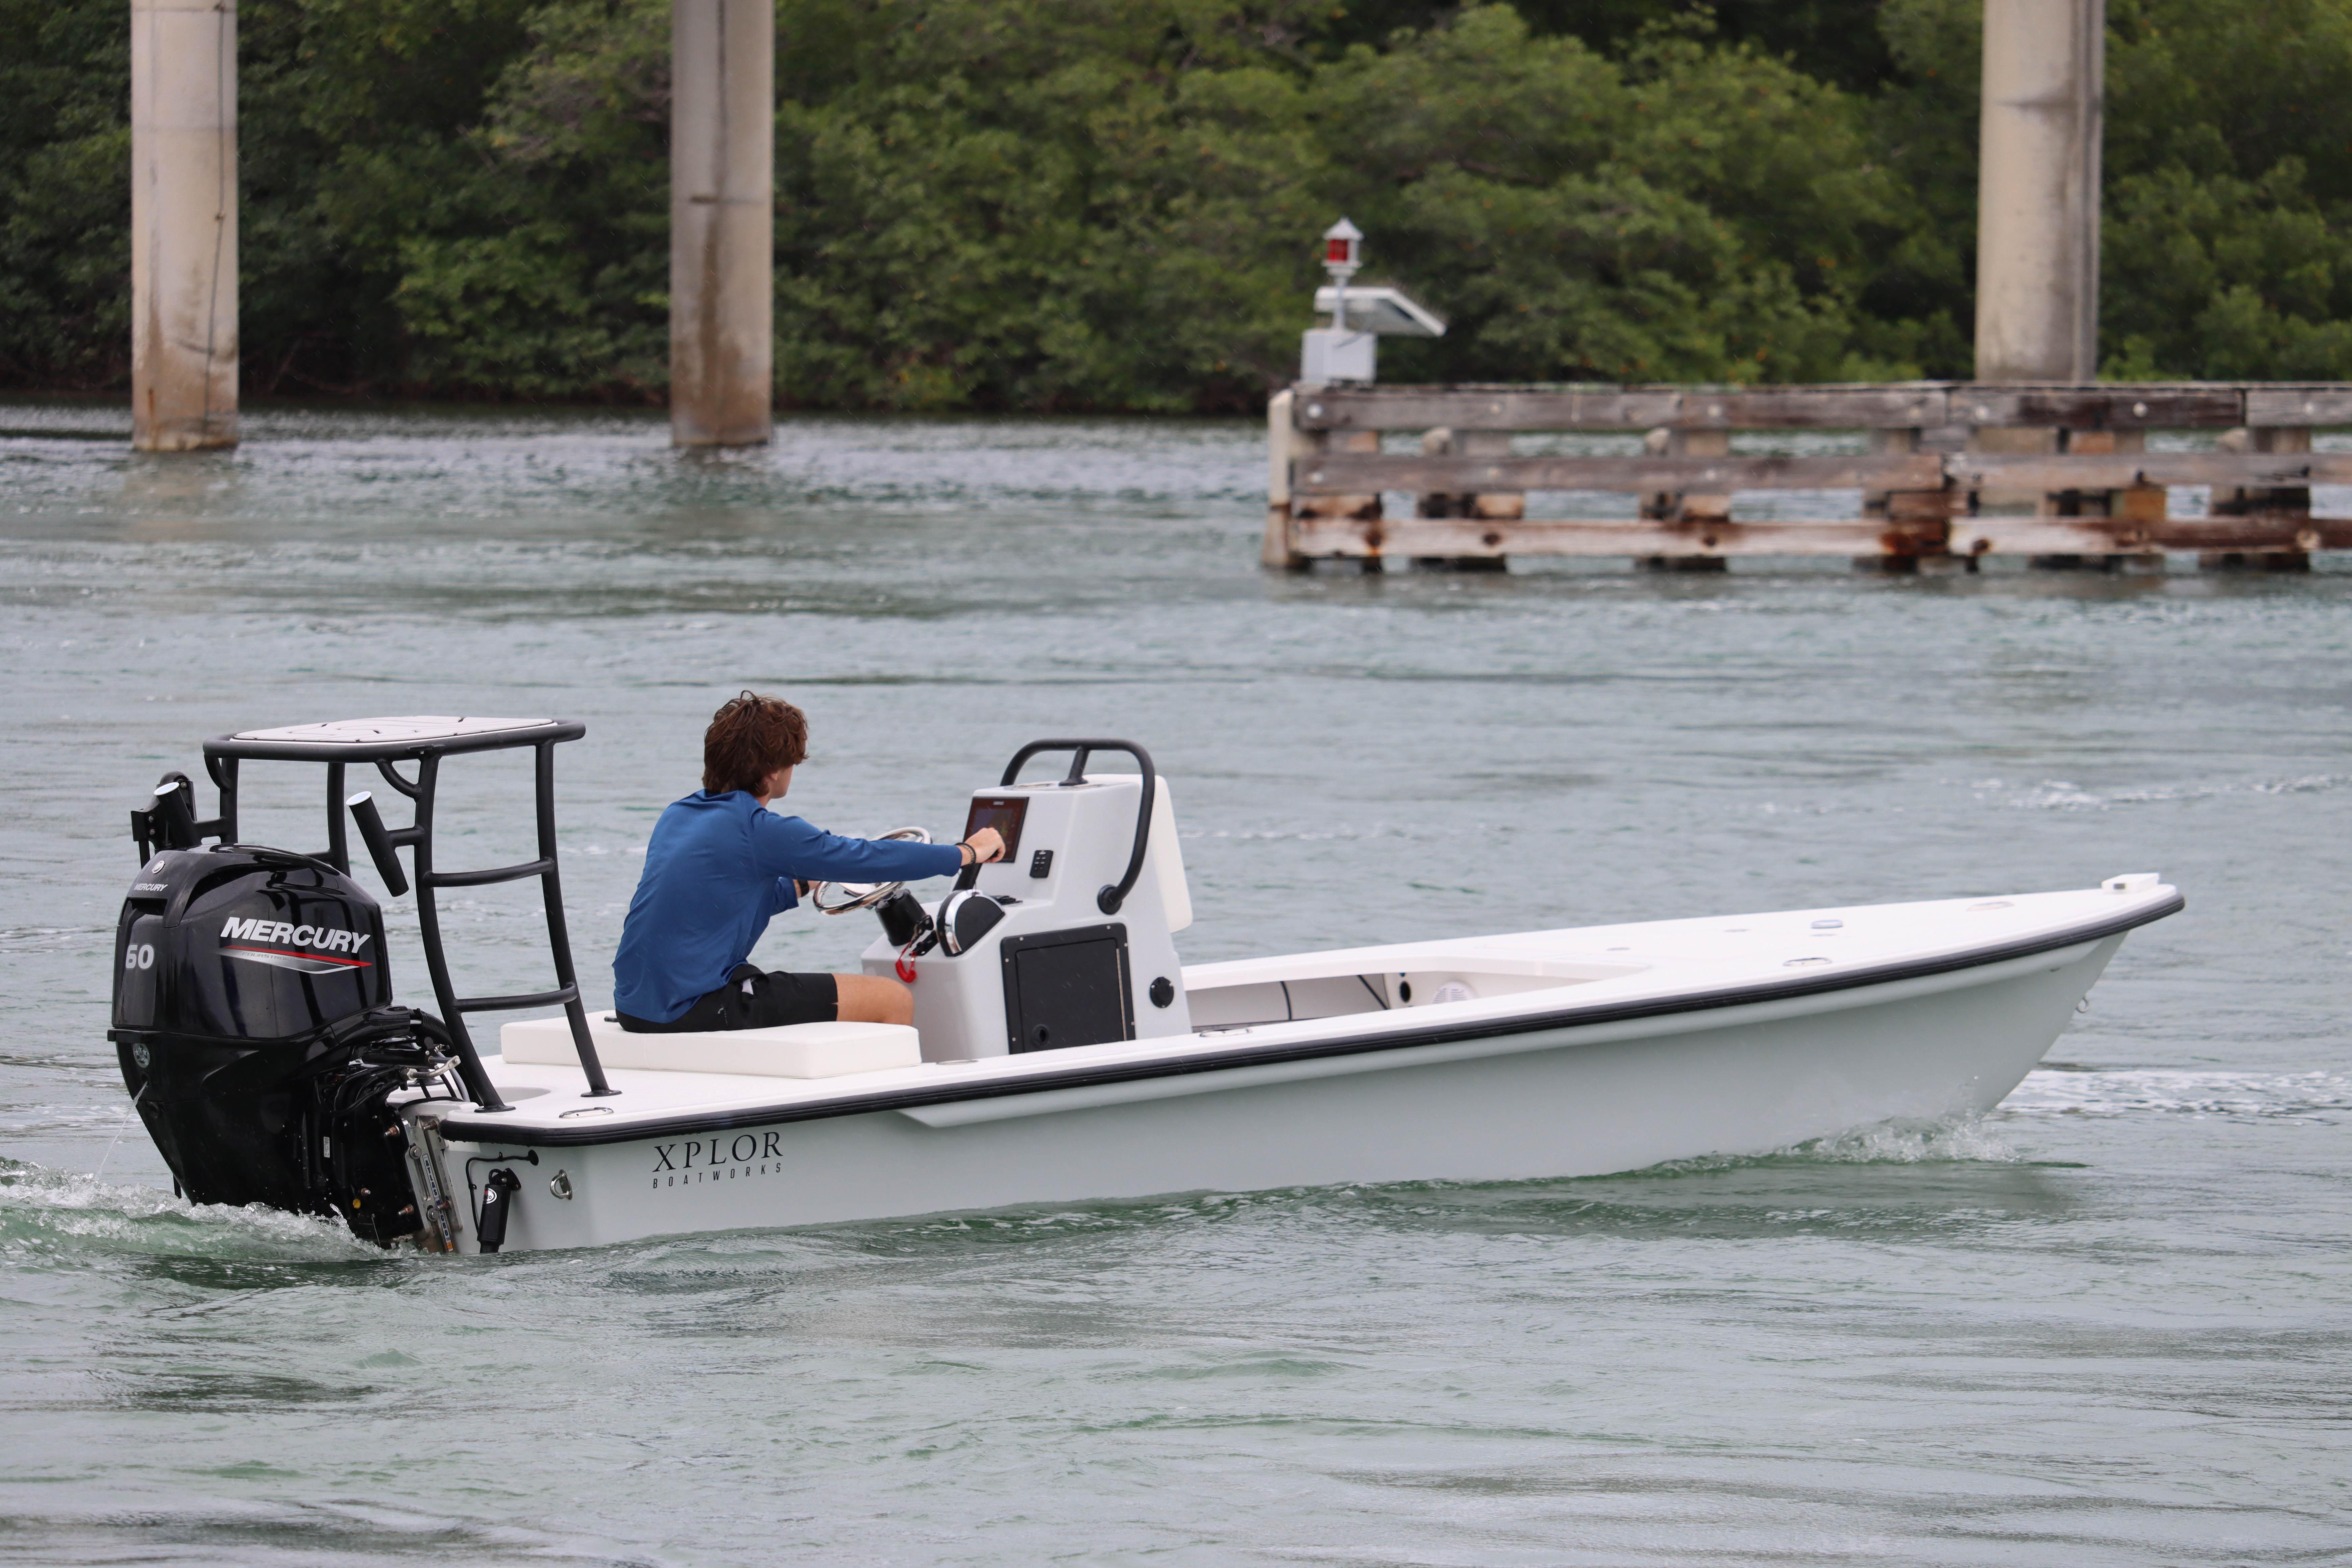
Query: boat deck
{"type": "Point", "coordinates": [1521, 981]}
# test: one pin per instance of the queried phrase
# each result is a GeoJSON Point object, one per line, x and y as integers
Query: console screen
{"type": "Point", "coordinates": [1002, 812]}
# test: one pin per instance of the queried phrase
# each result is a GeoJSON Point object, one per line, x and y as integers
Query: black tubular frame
{"type": "Point", "coordinates": [222, 755]}
{"type": "Point", "coordinates": [1110, 898]}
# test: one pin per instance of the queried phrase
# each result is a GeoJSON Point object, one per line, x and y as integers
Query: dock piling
{"type": "Point", "coordinates": [1701, 517]}
{"type": "Point", "coordinates": [1283, 443]}
{"type": "Point", "coordinates": [1500, 506]}
{"type": "Point", "coordinates": [2286, 507]}
{"type": "Point", "coordinates": [1311, 444]}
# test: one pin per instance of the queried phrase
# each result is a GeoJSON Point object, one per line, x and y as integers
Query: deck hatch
{"type": "Point", "coordinates": [1067, 988]}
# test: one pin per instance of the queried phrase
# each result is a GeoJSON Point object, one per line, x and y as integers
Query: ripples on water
{"type": "Point", "coordinates": [2105, 1324]}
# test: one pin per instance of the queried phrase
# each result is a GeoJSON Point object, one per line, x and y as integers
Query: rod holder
{"type": "Point", "coordinates": [379, 842]}
{"type": "Point", "coordinates": [175, 819]}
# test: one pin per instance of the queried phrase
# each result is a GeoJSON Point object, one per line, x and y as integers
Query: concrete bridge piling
{"type": "Point", "coordinates": [2037, 222]}
{"type": "Point", "coordinates": [722, 221]}
{"type": "Point", "coordinates": [182, 224]}
{"type": "Point", "coordinates": [2038, 191]}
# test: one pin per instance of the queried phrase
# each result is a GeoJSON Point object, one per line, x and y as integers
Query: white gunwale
{"type": "Point", "coordinates": [1616, 983]}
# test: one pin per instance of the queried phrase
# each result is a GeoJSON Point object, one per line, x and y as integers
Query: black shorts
{"type": "Point", "coordinates": [751, 999]}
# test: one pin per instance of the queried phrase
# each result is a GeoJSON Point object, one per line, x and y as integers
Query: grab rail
{"type": "Point", "coordinates": [1111, 897]}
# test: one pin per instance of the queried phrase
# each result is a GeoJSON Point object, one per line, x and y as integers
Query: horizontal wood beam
{"type": "Point", "coordinates": [1364, 473]}
{"type": "Point", "coordinates": [2290, 406]}
{"type": "Point", "coordinates": [2277, 532]}
{"type": "Point", "coordinates": [1358, 473]}
{"type": "Point", "coordinates": [2104, 405]}
{"type": "Point", "coordinates": [2120, 536]}
{"type": "Point", "coordinates": [2099, 407]}
{"type": "Point", "coordinates": [1600, 537]}
{"type": "Point", "coordinates": [1473, 536]}
{"type": "Point", "coordinates": [1620, 408]}
{"type": "Point", "coordinates": [2121, 470]}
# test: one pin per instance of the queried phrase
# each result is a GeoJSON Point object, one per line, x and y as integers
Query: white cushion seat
{"type": "Point", "coordinates": [788, 1050]}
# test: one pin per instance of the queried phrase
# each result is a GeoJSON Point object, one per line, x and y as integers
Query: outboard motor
{"type": "Point", "coordinates": [253, 1007]}
{"type": "Point", "coordinates": [252, 1020]}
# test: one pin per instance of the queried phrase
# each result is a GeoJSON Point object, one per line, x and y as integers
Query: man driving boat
{"type": "Point", "coordinates": [720, 865]}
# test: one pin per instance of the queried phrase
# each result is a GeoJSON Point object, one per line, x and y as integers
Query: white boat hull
{"type": "Point", "coordinates": [1557, 1101]}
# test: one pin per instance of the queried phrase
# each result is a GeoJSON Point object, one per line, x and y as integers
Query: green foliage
{"type": "Point", "coordinates": [65, 194]}
{"type": "Point", "coordinates": [2227, 245]}
{"type": "Point", "coordinates": [1589, 219]}
{"type": "Point", "coordinates": [1065, 204]}
{"type": "Point", "coordinates": [542, 269]}
{"type": "Point", "coordinates": [1111, 204]}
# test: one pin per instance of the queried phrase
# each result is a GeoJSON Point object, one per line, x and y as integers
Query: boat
{"type": "Point", "coordinates": [1060, 1051]}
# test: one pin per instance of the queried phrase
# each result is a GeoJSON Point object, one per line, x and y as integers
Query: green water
{"type": "Point", "coordinates": [2107, 1324]}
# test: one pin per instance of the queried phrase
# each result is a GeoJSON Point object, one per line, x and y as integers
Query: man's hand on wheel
{"type": "Point", "coordinates": [986, 845]}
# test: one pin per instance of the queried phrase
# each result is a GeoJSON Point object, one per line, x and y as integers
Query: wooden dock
{"type": "Point", "coordinates": [2059, 473]}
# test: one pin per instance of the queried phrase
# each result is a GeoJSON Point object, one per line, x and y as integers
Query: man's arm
{"type": "Point", "coordinates": [791, 848]}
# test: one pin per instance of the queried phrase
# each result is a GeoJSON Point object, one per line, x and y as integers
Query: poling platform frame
{"type": "Point", "coordinates": [425, 741]}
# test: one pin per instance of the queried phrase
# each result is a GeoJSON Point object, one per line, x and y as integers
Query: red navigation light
{"type": "Point", "coordinates": [1340, 243]}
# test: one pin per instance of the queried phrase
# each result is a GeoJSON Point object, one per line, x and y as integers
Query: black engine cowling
{"type": "Point", "coordinates": [252, 1017]}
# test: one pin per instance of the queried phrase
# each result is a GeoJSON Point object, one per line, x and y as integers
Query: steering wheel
{"type": "Point", "coordinates": [863, 895]}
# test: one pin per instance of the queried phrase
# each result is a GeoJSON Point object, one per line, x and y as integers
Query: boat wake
{"type": "Point", "coordinates": [2062, 1091]}
{"type": "Point", "coordinates": [1957, 1141]}
{"type": "Point", "coordinates": [45, 1212]}
{"type": "Point", "coordinates": [1970, 1140]}
{"type": "Point", "coordinates": [2063, 795]}
{"type": "Point", "coordinates": [48, 1213]}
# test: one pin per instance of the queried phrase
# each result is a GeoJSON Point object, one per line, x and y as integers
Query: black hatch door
{"type": "Point", "coordinates": [1067, 988]}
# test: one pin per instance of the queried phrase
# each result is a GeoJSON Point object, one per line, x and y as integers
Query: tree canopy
{"type": "Point", "coordinates": [1112, 204]}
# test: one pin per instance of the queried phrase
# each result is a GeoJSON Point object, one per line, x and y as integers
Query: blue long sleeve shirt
{"type": "Point", "coordinates": [718, 868]}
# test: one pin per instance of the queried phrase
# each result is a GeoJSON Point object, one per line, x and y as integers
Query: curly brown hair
{"type": "Point", "coordinates": [750, 738]}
